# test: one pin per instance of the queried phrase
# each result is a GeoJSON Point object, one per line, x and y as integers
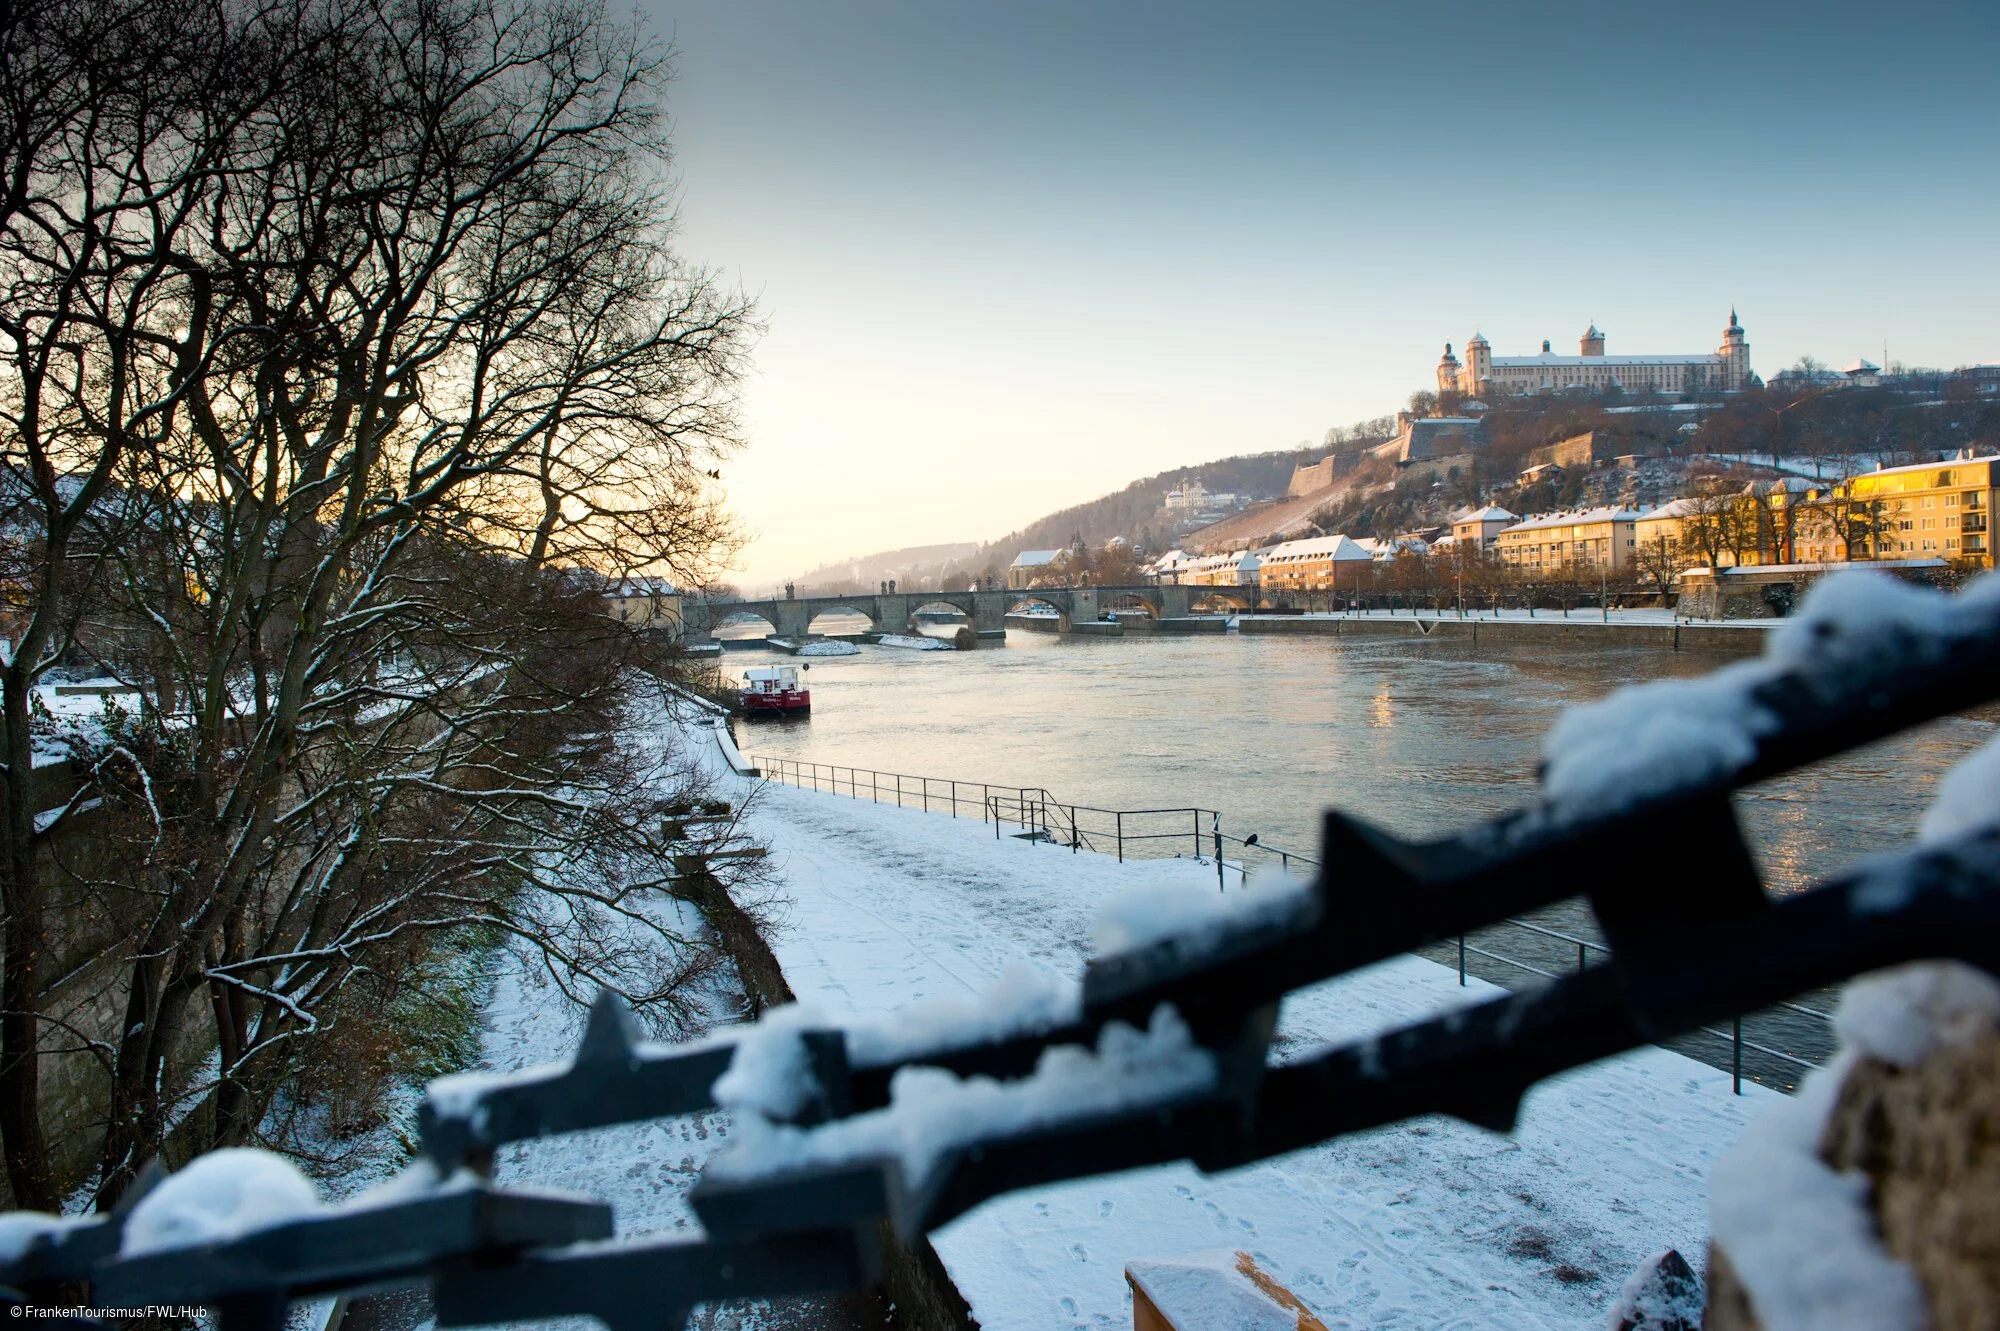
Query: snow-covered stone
{"type": "Point", "coordinates": [1662, 1294]}
{"type": "Point", "coordinates": [1799, 1236]}
{"type": "Point", "coordinates": [1901, 1014]}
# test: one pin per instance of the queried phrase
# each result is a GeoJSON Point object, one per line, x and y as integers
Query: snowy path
{"type": "Point", "coordinates": [1430, 1224]}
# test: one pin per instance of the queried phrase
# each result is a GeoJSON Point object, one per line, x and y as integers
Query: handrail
{"type": "Point", "coordinates": [1045, 818]}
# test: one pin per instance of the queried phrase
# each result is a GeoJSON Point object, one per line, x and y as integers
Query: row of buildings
{"type": "Point", "coordinates": [1932, 511]}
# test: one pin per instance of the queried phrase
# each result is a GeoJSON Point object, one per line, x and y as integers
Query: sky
{"type": "Point", "coordinates": [1012, 256]}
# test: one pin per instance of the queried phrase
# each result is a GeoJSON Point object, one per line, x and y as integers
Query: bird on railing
{"type": "Point", "coordinates": [1250, 840]}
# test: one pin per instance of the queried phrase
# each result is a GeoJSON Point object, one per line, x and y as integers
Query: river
{"type": "Point", "coordinates": [1419, 738]}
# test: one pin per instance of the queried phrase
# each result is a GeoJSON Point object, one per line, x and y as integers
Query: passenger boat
{"type": "Point", "coordinates": [774, 690]}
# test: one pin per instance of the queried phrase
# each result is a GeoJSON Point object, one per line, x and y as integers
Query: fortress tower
{"type": "Point", "coordinates": [1591, 343]}
{"type": "Point", "coordinates": [1734, 353]}
{"type": "Point", "coordinates": [1448, 371]}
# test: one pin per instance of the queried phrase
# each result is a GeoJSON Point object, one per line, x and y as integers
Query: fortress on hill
{"type": "Point", "coordinates": [1725, 370]}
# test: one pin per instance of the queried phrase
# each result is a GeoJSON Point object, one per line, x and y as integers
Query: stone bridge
{"type": "Point", "coordinates": [895, 612]}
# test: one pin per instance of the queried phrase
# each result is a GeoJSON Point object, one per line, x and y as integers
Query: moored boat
{"type": "Point", "coordinates": [774, 690]}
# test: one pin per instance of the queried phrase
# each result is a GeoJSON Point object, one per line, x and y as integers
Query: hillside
{"type": "Point", "coordinates": [916, 565]}
{"type": "Point", "coordinates": [1138, 512]}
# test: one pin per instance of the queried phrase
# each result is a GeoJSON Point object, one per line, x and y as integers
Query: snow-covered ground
{"type": "Point", "coordinates": [1428, 1224]}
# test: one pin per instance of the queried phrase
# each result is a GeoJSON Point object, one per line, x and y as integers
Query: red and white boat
{"type": "Point", "coordinates": [774, 690]}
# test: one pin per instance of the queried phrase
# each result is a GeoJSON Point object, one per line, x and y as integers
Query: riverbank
{"type": "Point", "coordinates": [1622, 628]}
{"type": "Point", "coordinates": [1420, 1225]}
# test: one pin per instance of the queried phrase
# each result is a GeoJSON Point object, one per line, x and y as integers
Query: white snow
{"type": "Point", "coordinates": [830, 648]}
{"type": "Point", "coordinates": [1424, 1224]}
{"type": "Point", "coordinates": [20, 1229]}
{"type": "Point", "coordinates": [914, 642]}
{"type": "Point", "coordinates": [1211, 1289]}
{"type": "Point", "coordinates": [1415, 1225]}
{"type": "Point", "coordinates": [1646, 1303]}
{"type": "Point", "coordinates": [1968, 798]}
{"type": "Point", "coordinates": [1903, 1013]}
{"type": "Point", "coordinates": [1800, 1236]}
{"type": "Point", "coordinates": [1202, 916]}
{"type": "Point", "coordinates": [931, 1111]}
{"type": "Point", "coordinates": [222, 1195]}
{"type": "Point", "coordinates": [770, 1074]}
{"type": "Point", "coordinates": [1651, 739]}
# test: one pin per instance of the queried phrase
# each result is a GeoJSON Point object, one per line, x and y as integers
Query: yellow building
{"type": "Point", "coordinates": [1935, 510]}
{"type": "Point", "coordinates": [1764, 523]}
{"type": "Point", "coordinates": [1313, 565]}
{"type": "Point", "coordinates": [1594, 538]}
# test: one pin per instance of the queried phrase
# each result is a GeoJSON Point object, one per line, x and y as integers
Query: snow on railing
{"type": "Point", "coordinates": [1162, 1052]}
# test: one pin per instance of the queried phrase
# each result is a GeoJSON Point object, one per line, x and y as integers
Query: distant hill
{"type": "Point", "coordinates": [1138, 512]}
{"type": "Point", "coordinates": [916, 565]}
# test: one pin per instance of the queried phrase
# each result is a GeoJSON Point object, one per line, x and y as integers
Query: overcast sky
{"type": "Point", "coordinates": [1015, 255]}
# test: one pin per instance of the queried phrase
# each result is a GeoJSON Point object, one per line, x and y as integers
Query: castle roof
{"type": "Point", "coordinates": [1547, 359]}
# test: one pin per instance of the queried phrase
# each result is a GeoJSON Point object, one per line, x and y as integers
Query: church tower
{"type": "Point", "coordinates": [1448, 371]}
{"type": "Point", "coordinates": [1734, 353]}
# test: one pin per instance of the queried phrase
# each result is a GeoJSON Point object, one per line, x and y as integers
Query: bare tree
{"type": "Point", "coordinates": [377, 343]}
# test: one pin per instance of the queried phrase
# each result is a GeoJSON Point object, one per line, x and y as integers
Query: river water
{"type": "Point", "coordinates": [1420, 738]}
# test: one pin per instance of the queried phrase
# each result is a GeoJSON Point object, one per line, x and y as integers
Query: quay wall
{"type": "Point", "coordinates": [1733, 640]}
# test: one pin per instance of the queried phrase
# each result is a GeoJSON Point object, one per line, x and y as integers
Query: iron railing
{"type": "Point", "coordinates": [1043, 817]}
{"type": "Point", "coordinates": [1691, 939]}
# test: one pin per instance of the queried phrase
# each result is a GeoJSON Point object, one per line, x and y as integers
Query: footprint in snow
{"type": "Point", "coordinates": [1078, 1251]}
{"type": "Point", "coordinates": [1104, 1209]}
{"type": "Point", "coordinates": [1248, 1228]}
{"type": "Point", "coordinates": [1042, 1209]}
{"type": "Point", "coordinates": [1069, 1307]}
{"type": "Point", "coordinates": [1215, 1214]}
{"type": "Point", "coordinates": [1187, 1193]}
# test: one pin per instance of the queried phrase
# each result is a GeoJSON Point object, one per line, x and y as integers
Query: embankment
{"type": "Point", "coordinates": [1735, 639]}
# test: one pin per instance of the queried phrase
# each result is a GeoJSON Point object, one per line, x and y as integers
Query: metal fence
{"type": "Point", "coordinates": [1043, 817]}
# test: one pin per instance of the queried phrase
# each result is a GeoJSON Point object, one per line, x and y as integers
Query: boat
{"type": "Point", "coordinates": [774, 691]}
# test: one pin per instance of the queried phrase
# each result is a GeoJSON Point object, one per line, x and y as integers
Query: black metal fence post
{"type": "Point", "coordinates": [1121, 836]}
{"type": "Point", "coordinates": [1461, 961]}
{"type": "Point", "coordinates": [1736, 1055]}
{"type": "Point", "coordinates": [1216, 824]}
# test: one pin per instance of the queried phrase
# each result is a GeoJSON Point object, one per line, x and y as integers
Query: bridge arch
{"type": "Point", "coordinates": [863, 606]}
{"type": "Point", "coordinates": [741, 618]}
{"type": "Point", "coordinates": [1211, 599]}
{"type": "Point", "coordinates": [1018, 602]}
{"type": "Point", "coordinates": [1126, 600]}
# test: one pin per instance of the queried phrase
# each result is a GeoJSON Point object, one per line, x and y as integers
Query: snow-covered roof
{"type": "Point", "coordinates": [1861, 367]}
{"type": "Point", "coordinates": [1930, 466]}
{"type": "Point", "coordinates": [1550, 359]}
{"type": "Point", "coordinates": [641, 586]}
{"type": "Point", "coordinates": [1579, 517]}
{"type": "Point", "coordinates": [1319, 547]}
{"type": "Point", "coordinates": [1673, 508]}
{"type": "Point", "coordinates": [1037, 558]}
{"type": "Point", "coordinates": [1491, 513]}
